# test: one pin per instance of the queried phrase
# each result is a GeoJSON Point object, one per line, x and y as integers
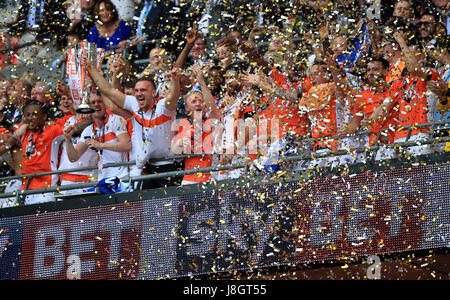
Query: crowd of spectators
{"type": "Point", "coordinates": [229, 81]}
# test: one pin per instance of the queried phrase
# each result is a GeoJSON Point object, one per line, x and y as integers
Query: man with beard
{"type": "Point", "coordinates": [152, 121]}
{"type": "Point", "coordinates": [412, 102]}
{"type": "Point", "coordinates": [377, 90]}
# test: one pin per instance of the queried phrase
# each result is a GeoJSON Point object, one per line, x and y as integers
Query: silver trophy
{"type": "Point", "coordinates": [90, 50]}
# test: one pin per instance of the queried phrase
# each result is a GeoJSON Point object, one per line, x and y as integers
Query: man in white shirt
{"type": "Point", "coordinates": [152, 125]}
{"type": "Point", "coordinates": [108, 136]}
{"type": "Point", "coordinates": [88, 159]}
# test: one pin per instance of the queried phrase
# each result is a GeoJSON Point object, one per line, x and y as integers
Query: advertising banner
{"type": "Point", "coordinates": [94, 243]}
{"type": "Point", "coordinates": [240, 228]}
{"type": "Point", "coordinates": [10, 247]}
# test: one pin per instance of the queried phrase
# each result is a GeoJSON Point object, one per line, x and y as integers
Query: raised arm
{"type": "Point", "coordinates": [191, 36]}
{"type": "Point", "coordinates": [412, 64]}
{"type": "Point", "coordinates": [269, 87]}
{"type": "Point", "coordinates": [380, 113]}
{"type": "Point", "coordinates": [207, 95]}
{"type": "Point", "coordinates": [80, 126]}
{"type": "Point", "coordinates": [122, 145]}
{"type": "Point", "coordinates": [116, 96]}
{"type": "Point", "coordinates": [338, 77]}
{"type": "Point", "coordinates": [115, 109]}
{"type": "Point", "coordinates": [116, 72]}
{"type": "Point", "coordinates": [73, 153]}
{"type": "Point", "coordinates": [174, 90]}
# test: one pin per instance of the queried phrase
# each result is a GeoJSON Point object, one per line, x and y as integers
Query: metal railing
{"type": "Point", "coordinates": [20, 195]}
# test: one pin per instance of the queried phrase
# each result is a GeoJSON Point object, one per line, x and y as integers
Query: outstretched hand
{"type": "Point", "coordinates": [191, 36]}
{"type": "Point", "coordinates": [86, 62]}
{"type": "Point", "coordinates": [69, 131]}
{"type": "Point", "coordinates": [175, 73]}
{"type": "Point", "coordinates": [198, 73]}
{"type": "Point", "coordinates": [250, 79]}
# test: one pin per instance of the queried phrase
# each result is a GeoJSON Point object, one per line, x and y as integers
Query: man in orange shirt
{"type": "Point", "coordinates": [282, 103]}
{"type": "Point", "coordinates": [279, 115]}
{"type": "Point", "coordinates": [366, 102]}
{"type": "Point", "coordinates": [412, 101]}
{"type": "Point", "coordinates": [195, 133]}
{"type": "Point", "coordinates": [319, 105]}
{"type": "Point", "coordinates": [40, 149]}
{"type": "Point", "coordinates": [393, 54]}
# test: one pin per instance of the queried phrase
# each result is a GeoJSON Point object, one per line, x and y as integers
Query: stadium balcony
{"type": "Point", "coordinates": [291, 217]}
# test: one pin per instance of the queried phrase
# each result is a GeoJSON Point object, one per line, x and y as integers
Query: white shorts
{"type": "Point", "coordinates": [187, 182]}
{"type": "Point", "coordinates": [12, 186]}
{"type": "Point", "coordinates": [351, 143]}
{"type": "Point", "coordinates": [386, 152]}
{"type": "Point", "coordinates": [39, 198]}
{"type": "Point", "coordinates": [323, 162]}
{"type": "Point", "coordinates": [416, 150]}
{"type": "Point", "coordinates": [72, 191]}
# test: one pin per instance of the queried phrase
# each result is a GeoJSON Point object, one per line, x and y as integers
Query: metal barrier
{"type": "Point", "coordinates": [132, 179]}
